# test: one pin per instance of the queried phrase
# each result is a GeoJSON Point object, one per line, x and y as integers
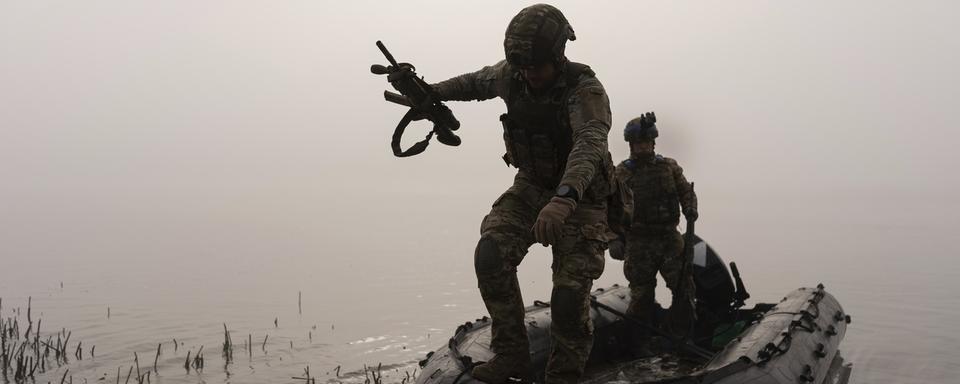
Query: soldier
{"type": "Point", "coordinates": [653, 243]}
{"type": "Point", "coordinates": [555, 129]}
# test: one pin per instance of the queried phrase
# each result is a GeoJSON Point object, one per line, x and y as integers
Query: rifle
{"type": "Point", "coordinates": [688, 239]}
{"type": "Point", "coordinates": [423, 102]}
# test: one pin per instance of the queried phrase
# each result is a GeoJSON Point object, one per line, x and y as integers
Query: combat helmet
{"type": "Point", "coordinates": [642, 128]}
{"type": "Point", "coordinates": [536, 35]}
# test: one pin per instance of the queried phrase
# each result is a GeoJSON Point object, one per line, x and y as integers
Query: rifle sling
{"type": "Point", "coordinates": [415, 149]}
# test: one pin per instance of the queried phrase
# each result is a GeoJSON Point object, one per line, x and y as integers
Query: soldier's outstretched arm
{"type": "Point", "coordinates": [479, 85]}
{"type": "Point", "coordinates": [590, 119]}
{"type": "Point", "coordinates": [688, 198]}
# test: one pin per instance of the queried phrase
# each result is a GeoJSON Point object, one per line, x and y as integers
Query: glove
{"type": "Point", "coordinates": [548, 229]}
{"type": "Point", "coordinates": [617, 251]}
{"type": "Point", "coordinates": [403, 72]}
{"type": "Point", "coordinates": [691, 214]}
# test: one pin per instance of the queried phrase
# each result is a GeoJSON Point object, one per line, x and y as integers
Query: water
{"type": "Point", "coordinates": [391, 302]}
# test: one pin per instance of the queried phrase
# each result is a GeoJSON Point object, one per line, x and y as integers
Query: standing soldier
{"type": "Point", "coordinates": [555, 130]}
{"type": "Point", "coordinates": [653, 243]}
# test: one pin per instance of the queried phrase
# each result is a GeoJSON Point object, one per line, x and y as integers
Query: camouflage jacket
{"type": "Point", "coordinates": [588, 113]}
{"type": "Point", "coordinates": [659, 189]}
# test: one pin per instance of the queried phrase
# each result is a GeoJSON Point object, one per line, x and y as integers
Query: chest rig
{"type": "Point", "coordinates": [656, 200]}
{"type": "Point", "coordinates": [536, 128]}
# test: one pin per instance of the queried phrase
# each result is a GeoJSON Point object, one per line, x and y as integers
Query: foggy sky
{"type": "Point", "coordinates": [137, 130]}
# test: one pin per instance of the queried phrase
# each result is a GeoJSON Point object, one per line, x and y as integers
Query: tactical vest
{"type": "Point", "coordinates": [536, 129]}
{"type": "Point", "coordinates": [656, 201]}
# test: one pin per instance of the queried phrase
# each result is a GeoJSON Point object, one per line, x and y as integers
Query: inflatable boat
{"type": "Point", "coordinates": [794, 341]}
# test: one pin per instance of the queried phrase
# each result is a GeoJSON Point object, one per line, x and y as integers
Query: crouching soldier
{"type": "Point", "coordinates": [653, 243]}
{"type": "Point", "coordinates": [555, 129]}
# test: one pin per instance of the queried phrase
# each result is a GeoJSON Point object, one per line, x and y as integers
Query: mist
{"type": "Point", "coordinates": [152, 142]}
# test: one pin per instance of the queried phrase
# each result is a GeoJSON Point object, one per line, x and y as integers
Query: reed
{"type": "Point", "coordinates": [157, 358]}
{"type": "Point", "coordinates": [197, 360]}
{"type": "Point", "coordinates": [376, 376]}
{"type": "Point", "coordinates": [306, 376]}
{"type": "Point", "coordinates": [25, 354]}
{"type": "Point", "coordinates": [136, 360]}
{"type": "Point", "coordinates": [408, 377]}
{"type": "Point", "coordinates": [227, 345]}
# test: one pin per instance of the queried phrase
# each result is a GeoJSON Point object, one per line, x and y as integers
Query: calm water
{"type": "Point", "coordinates": [390, 302]}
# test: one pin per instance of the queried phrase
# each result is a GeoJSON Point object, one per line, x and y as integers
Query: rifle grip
{"type": "Point", "coordinates": [397, 98]}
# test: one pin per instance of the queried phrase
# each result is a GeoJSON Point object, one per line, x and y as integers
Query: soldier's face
{"type": "Point", "coordinates": [641, 147]}
{"type": "Point", "coordinates": [539, 76]}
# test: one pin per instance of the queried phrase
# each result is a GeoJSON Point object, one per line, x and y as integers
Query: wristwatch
{"type": "Point", "coordinates": [567, 191]}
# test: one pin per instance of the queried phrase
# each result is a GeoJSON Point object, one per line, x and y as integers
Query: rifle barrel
{"type": "Point", "coordinates": [386, 53]}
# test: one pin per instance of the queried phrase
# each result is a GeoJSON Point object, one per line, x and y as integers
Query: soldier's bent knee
{"type": "Point", "coordinates": [488, 258]}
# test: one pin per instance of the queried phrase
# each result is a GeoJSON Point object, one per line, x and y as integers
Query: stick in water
{"type": "Point", "coordinates": [156, 358]}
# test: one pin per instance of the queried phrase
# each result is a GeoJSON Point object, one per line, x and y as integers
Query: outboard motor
{"type": "Point", "coordinates": [717, 291]}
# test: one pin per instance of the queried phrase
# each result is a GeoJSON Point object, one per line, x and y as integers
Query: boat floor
{"type": "Point", "coordinates": [649, 369]}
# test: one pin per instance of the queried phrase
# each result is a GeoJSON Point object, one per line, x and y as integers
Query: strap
{"type": "Point", "coordinates": [415, 149]}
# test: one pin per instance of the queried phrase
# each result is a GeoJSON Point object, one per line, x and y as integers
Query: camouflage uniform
{"type": "Point", "coordinates": [555, 137]}
{"type": "Point", "coordinates": [653, 243]}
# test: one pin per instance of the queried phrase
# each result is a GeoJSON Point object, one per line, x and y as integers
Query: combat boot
{"type": "Point", "coordinates": [641, 342]}
{"type": "Point", "coordinates": [502, 367]}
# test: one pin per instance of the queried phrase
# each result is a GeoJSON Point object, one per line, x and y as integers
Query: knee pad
{"type": "Point", "coordinates": [488, 258]}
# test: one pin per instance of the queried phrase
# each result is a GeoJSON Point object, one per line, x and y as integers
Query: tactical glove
{"type": "Point", "coordinates": [691, 214]}
{"type": "Point", "coordinates": [549, 226]}
{"type": "Point", "coordinates": [617, 251]}
{"type": "Point", "coordinates": [403, 72]}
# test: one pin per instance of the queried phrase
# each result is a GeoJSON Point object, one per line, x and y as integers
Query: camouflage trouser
{"type": "Point", "coordinates": [578, 259]}
{"type": "Point", "coordinates": [648, 253]}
